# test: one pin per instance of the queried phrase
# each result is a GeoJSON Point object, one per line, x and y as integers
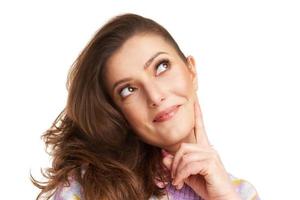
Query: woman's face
{"type": "Point", "coordinates": [147, 76]}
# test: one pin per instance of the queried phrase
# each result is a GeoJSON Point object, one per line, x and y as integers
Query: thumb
{"type": "Point", "coordinates": [167, 161]}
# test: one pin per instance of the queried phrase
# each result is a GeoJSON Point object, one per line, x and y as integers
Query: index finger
{"type": "Point", "coordinates": [199, 130]}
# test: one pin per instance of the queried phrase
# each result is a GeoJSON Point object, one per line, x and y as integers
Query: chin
{"type": "Point", "coordinates": [178, 134]}
{"type": "Point", "coordinates": [181, 127]}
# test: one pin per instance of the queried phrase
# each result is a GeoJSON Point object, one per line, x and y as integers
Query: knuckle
{"type": "Point", "coordinates": [211, 162]}
{"type": "Point", "coordinates": [214, 154]}
{"type": "Point", "coordinates": [176, 160]}
{"type": "Point", "coordinates": [180, 173]}
{"type": "Point", "coordinates": [184, 158]}
{"type": "Point", "coordinates": [183, 145]}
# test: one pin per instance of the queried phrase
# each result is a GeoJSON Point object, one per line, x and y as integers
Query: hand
{"type": "Point", "coordinates": [199, 166]}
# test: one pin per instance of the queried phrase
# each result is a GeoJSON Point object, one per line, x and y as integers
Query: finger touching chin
{"type": "Point", "coordinates": [167, 161]}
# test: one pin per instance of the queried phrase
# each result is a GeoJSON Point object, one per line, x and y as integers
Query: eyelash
{"type": "Point", "coordinates": [163, 61]}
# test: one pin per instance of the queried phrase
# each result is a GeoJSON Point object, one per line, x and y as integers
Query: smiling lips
{"type": "Point", "coordinates": [166, 114]}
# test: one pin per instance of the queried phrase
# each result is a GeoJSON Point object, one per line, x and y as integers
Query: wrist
{"type": "Point", "coordinates": [230, 196]}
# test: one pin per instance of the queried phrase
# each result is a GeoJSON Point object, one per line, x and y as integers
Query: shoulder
{"type": "Point", "coordinates": [72, 191]}
{"type": "Point", "coordinates": [244, 188]}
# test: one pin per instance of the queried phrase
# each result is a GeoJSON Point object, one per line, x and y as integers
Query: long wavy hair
{"type": "Point", "coordinates": [90, 140]}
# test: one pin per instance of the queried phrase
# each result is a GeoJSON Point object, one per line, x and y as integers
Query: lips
{"type": "Point", "coordinates": [166, 114]}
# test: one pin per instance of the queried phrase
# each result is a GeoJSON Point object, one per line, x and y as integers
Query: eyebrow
{"type": "Point", "coordinates": [147, 64]}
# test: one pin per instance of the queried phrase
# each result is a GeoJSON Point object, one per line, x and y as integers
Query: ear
{"type": "Point", "coordinates": [192, 69]}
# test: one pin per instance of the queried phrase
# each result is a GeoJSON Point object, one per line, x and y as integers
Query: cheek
{"type": "Point", "coordinates": [131, 117]}
{"type": "Point", "coordinates": [181, 83]}
{"type": "Point", "coordinates": [183, 125]}
{"type": "Point", "coordinates": [136, 119]}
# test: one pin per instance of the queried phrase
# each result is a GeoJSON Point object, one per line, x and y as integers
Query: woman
{"type": "Point", "coordinates": [132, 127]}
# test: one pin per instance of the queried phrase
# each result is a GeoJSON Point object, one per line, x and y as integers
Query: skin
{"type": "Point", "coordinates": [187, 152]}
{"type": "Point", "coordinates": [153, 91]}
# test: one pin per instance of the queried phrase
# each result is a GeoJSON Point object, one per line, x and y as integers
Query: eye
{"type": "Point", "coordinates": [127, 90]}
{"type": "Point", "coordinates": [162, 66]}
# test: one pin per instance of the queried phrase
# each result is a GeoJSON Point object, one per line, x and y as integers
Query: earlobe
{"type": "Point", "coordinates": [195, 83]}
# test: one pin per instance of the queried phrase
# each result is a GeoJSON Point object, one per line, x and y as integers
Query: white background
{"type": "Point", "coordinates": [248, 59]}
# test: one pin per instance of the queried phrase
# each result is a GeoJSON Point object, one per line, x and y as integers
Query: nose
{"type": "Point", "coordinates": [155, 95]}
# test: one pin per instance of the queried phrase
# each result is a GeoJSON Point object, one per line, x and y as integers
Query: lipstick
{"type": "Point", "coordinates": [166, 114]}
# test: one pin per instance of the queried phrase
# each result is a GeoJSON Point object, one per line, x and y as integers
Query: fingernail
{"type": "Point", "coordinates": [173, 182]}
{"type": "Point", "coordinates": [180, 186]}
{"type": "Point", "coordinates": [160, 184]}
{"type": "Point", "coordinates": [164, 152]}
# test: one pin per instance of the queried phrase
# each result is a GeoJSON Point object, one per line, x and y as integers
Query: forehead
{"type": "Point", "coordinates": [133, 54]}
{"type": "Point", "coordinates": [139, 48]}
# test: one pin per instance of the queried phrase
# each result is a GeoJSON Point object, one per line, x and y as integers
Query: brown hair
{"type": "Point", "coordinates": [92, 136]}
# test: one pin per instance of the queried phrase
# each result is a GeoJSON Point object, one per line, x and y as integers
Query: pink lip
{"type": "Point", "coordinates": [166, 114]}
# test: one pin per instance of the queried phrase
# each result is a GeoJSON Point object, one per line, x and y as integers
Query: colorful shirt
{"type": "Point", "coordinates": [245, 189]}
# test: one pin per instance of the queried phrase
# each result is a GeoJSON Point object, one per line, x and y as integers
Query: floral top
{"type": "Point", "coordinates": [245, 189]}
